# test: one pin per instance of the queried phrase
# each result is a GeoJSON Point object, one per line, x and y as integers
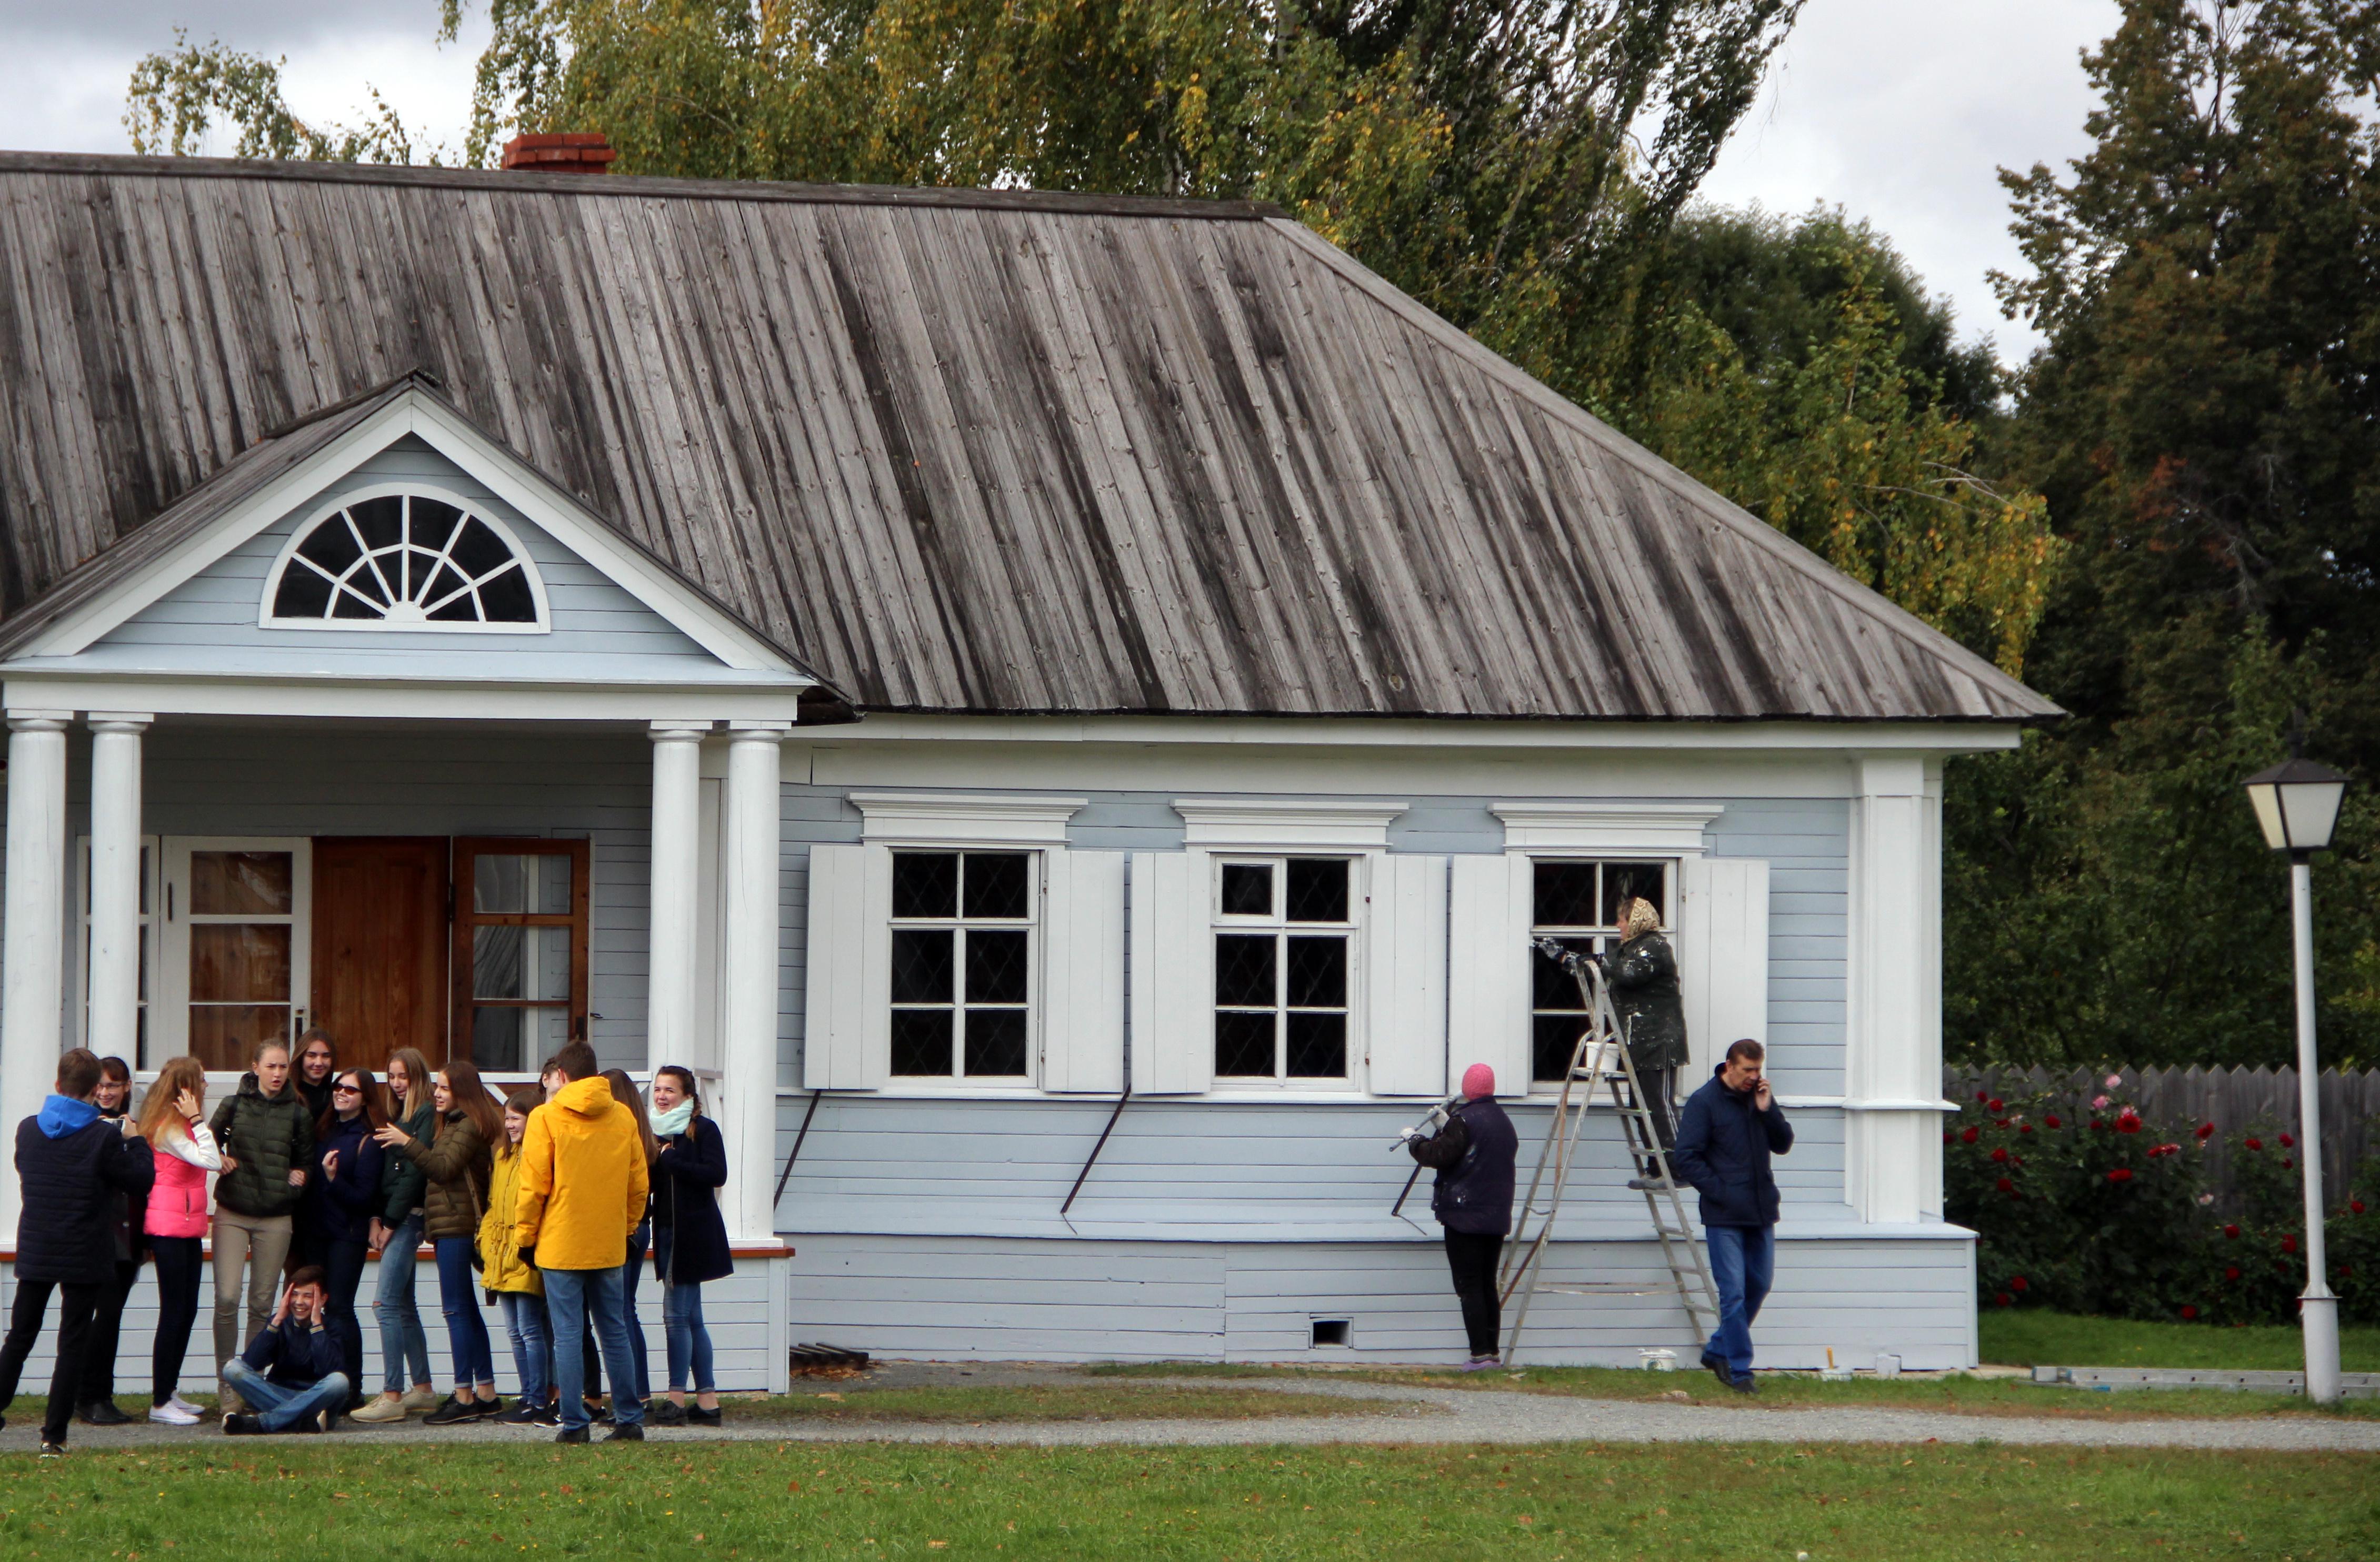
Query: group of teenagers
{"type": "Point", "coordinates": [547, 1204]}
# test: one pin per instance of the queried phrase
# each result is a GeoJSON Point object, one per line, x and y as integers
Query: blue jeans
{"type": "Point", "coordinates": [571, 1297]}
{"type": "Point", "coordinates": [466, 1328]}
{"type": "Point", "coordinates": [688, 1339]}
{"type": "Point", "coordinates": [638, 1241]}
{"type": "Point", "coordinates": [402, 1342]}
{"type": "Point", "coordinates": [1744, 1262]}
{"type": "Point", "coordinates": [532, 1343]}
{"type": "Point", "coordinates": [278, 1408]}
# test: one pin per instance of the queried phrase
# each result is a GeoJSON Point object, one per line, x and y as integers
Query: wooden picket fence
{"type": "Point", "coordinates": [2178, 1100]}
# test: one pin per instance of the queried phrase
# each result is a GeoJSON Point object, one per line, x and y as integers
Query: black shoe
{"type": "Point", "coordinates": [102, 1412]}
{"type": "Point", "coordinates": [306, 1425]}
{"type": "Point", "coordinates": [451, 1411]}
{"type": "Point", "coordinates": [521, 1414]}
{"type": "Point", "coordinates": [599, 1412]}
{"type": "Point", "coordinates": [548, 1414]}
{"type": "Point", "coordinates": [242, 1426]}
{"type": "Point", "coordinates": [54, 1450]}
{"type": "Point", "coordinates": [571, 1434]}
{"type": "Point", "coordinates": [492, 1405]}
{"type": "Point", "coordinates": [696, 1416]}
{"type": "Point", "coordinates": [661, 1412]}
{"type": "Point", "coordinates": [1744, 1384]}
{"type": "Point", "coordinates": [630, 1432]}
{"type": "Point", "coordinates": [1718, 1367]}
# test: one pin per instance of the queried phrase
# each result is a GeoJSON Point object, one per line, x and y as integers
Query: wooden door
{"type": "Point", "coordinates": [381, 908]}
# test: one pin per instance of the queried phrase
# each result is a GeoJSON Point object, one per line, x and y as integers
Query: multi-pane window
{"type": "Point", "coordinates": [403, 561]}
{"type": "Point", "coordinates": [963, 964]}
{"type": "Point", "coordinates": [1282, 930]}
{"type": "Point", "coordinates": [521, 925]}
{"type": "Point", "coordinates": [1577, 903]}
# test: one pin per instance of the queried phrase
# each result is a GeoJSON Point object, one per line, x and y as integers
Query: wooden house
{"type": "Point", "coordinates": [928, 660]}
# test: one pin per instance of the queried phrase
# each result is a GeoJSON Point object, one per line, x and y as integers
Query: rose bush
{"type": "Point", "coordinates": [2102, 1212]}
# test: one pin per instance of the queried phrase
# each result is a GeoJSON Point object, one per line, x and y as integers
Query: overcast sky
{"type": "Point", "coordinates": [1899, 111]}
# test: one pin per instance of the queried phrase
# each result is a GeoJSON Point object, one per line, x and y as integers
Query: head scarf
{"type": "Point", "coordinates": [1637, 916]}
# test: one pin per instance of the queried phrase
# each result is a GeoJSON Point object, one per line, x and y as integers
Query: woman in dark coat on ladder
{"type": "Point", "coordinates": [689, 1239]}
{"type": "Point", "coordinates": [1643, 974]}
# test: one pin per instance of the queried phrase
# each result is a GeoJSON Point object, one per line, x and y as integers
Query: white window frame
{"type": "Point", "coordinates": [1351, 933]}
{"type": "Point", "coordinates": [152, 877]}
{"type": "Point", "coordinates": [960, 926]}
{"type": "Point", "coordinates": [1602, 938]}
{"type": "Point", "coordinates": [471, 508]}
{"type": "Point", "coordinates": [169, 1029]}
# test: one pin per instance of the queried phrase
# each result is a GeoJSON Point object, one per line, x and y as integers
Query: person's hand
{"type": "Point", "coordinates": [281, 1312]}
{"type": "Point", "coordinates": [230, 1164]}
{"type": "Point", "coordinates": [666, 1145]}
{"type": "Point", "coordinates": [1760, 1097]}
{"type": "Point", "coordinates": [379, 1238]}
{"type": "Point", "coordinates": [296, 1180]}
{"type": "Point", "coordinates": [528, 1254]}
{"type": "Point", "coordinates": [331, 1166]}
{"type": "Point", "coordinates": [390, 1137]}
{"type": "Point", "coordinates": [187, 1104]}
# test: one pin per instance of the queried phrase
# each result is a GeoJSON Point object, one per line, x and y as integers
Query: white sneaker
{"type": "Point", "coordinates": [184, 1405]}
{"type": "Point", "coordinates": [172, 1414]}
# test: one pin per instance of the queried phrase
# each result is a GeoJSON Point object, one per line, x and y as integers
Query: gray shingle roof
{"type": "Point", "coordinates": [958, 450]}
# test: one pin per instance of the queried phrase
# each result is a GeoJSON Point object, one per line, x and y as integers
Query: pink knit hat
{"type": "Point", "coordinates": [1478, 1081]}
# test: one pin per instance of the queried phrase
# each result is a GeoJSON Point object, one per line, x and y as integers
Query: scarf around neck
{"type": "Point", "coordinates": [670, 1124]}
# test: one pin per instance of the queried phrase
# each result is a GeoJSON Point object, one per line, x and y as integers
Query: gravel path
{"type": "Point", "coordinates": [1392, 1413]}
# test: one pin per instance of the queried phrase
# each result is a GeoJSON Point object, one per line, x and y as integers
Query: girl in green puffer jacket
{"type": "Point", "coordinates": [267, 1139]}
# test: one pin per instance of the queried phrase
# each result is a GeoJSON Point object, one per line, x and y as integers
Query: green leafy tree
{"type": "Point", "coordinates": [176, 96]}
{"type": "Point", "coordinates": [2204, 421]}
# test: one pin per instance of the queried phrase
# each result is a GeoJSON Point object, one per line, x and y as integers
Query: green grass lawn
{"type": "Point", "coordinates": [1675, 1503]}
{"type": "Point", "coordinates": [2025, 1337]}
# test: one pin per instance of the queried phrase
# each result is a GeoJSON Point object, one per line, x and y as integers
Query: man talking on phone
{"type": "Point", "coordinates": [1730, 1129]}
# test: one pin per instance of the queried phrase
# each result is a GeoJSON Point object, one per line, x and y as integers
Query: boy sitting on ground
{"type": "Point", "coordinates": [290, 1376]}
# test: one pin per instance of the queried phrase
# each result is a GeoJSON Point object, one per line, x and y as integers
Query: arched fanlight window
{"type": "Point", "coordinates": [405, 560]}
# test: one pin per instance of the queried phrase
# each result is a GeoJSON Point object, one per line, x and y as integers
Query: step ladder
{"type": "Point", "coordinates": [1600, 1059]}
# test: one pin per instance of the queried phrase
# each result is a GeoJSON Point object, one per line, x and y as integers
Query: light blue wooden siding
{"type": "Point", "coordinates": [1807, 844]}
{"type": "Point", "coordinates": [597, 628]}
{"type": "Point", "coordinates": [319, 781]}
{"type": "Point", "coordinates": [972, 1298]}
{"type": "Point", "coordinates": [737, 1309]}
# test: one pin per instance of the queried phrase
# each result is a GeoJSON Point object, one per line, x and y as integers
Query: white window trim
{"type": "Point", "coordinates": [1672, 885]}
{"type": "Point", "coordinates": [1619, 829]}
{"type": "Point", "coordinates": [959, 819]}
{"type": "Point", "coordinates": [1295, 825]}
{"type": "Point", "coordinates": [474, 509]}
{"type": "Point", "coordinates": [1034, 925]}
{"type": "Point", "coordinates": [1356, 930]}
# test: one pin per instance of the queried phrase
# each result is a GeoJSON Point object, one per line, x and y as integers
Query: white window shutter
{"type": "Point", "coordinates": [1404, 944]}
{"type": "Point", "coordinates": [1722, 956]}
{"type": "Point", "coordinates": [1488, 969]}
{"type": "Point", "coordinates": [847, 1040]}
{"type": "Point", "coordinates": [1082, 972]}
{"type": "Point", "coordinates": [1173, 975]}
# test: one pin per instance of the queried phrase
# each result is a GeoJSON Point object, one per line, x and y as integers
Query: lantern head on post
{"type": "Point", "coordinates": [2297, 805]}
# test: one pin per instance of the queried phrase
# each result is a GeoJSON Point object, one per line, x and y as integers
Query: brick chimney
{"type": "Point", "coordinates": [577, 152]}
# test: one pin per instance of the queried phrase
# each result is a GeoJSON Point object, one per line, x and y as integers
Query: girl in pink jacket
{"type": "Point", "coordinates": [172, 1119]}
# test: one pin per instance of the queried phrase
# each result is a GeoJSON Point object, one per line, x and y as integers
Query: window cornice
{"type": "Point", "coordinates": [962, 819]}
{"type": "Point", "coordinates": [1605, 827]}
{"type": "Point", "coordinates": [1286, 824]}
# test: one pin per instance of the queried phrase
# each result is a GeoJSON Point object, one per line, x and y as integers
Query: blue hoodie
{"type": "Point", "coordinates": [63, 1115]}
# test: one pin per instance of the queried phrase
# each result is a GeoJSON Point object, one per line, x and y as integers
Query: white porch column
{"type": "Point", "coordinates": [670, 1003]}
{"type": "Point", "coordinates": [1892, 1065]}
{"type": "Point", "coordinates": [748, 1053]}
{"type": "Point", "coordinates": [31, 952]}
{"type": "Point", "coordinates": [115, 883]}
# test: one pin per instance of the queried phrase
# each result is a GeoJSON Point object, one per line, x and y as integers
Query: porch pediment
{"type": "Point", "coordinates": [376, 553]}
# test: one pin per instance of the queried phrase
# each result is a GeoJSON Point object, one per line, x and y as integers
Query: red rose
{"type": "Point", "coordinates": [1969, 1136]}
{"type": "Point", "coordinates": [1993, 1104]}
{"type": "Point", "coordinates": [2005, 1186]}
{"type": "Point", "coordinates": [1947, 1137]}
{"type": "Point", "coordinates": [2289, 1244]}
{"type": "Point", "coordinates": [2207, 1130]}
{"type": "Point", "coordinates": [2003, 1300]}
{"type": "Point", "coordinates": [2287, 1141]}
{"type": "Point", "coordinates": [2000, 1155]}
{"type": "Point", "coordinates": [1982, 1095]}
{"type": "Point", "coordinates": [2255, 1144]}
{"type": "Point", "coordinates": [2230, 1271]}
{"type": "Point", "coordinates": [2231, 1231]}
{"type": "Point", "coordinates": [2121, 1174]}
{"type": "Point", "coordinates": [2288, 1164]}
{"type": "Point", "coordinates": [2016, 1282]}
{"type": "Point", "coordinates": [2024, 1128]}
{"type": "Point", "coordinates": [2127, 1125]}
{"type": "Point", "coordinates": [2000, 1122]}
{"type": "Point", "coordinates": [2188, 1313]}
{"type": "Point", "coordinates": [2052, 1120]}
{"type": "Point", "coordinates": [2346, 1271]}
{"type": "Point", "coordinates": [2355, 1204]}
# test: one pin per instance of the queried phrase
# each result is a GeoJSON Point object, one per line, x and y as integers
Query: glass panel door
{"type": "Point", "coordinates": [520, 949]}
{"type": "Point", "coordinates": [236, 945]}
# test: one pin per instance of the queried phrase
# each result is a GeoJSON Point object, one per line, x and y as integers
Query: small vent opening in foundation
{"type": "Point", "coordinates": [1332, 1331]}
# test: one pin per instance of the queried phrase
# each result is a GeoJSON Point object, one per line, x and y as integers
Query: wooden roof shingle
{"type": "Point", "coordinates": [960, 451]}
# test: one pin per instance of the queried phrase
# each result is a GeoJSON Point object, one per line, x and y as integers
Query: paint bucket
{"type": "Point", "coordinates": [1658, 1361]}
{"type": "Point", "coordinates": [1887, 1364]}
